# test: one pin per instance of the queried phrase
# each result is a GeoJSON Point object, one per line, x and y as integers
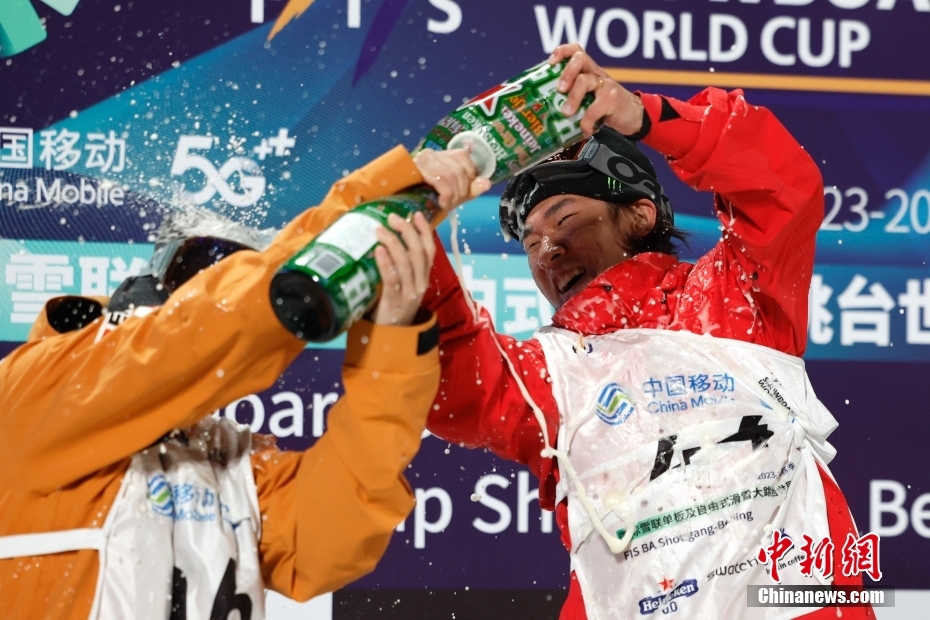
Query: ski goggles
{"type": "Point", "coordinates": [590, 169]}
{"type": "Point", "coordinates": [179, 260]}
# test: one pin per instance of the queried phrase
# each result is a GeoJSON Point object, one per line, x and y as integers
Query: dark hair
{"type": "Point", "coordinates": [664, 238]}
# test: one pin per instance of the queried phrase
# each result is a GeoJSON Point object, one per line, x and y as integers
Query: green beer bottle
{"type": "Point", "coordinates": [334, 280]}
{"type": "Point", "coordinates": [512, 126]}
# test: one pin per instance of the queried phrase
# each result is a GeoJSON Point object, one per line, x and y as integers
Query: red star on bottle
{"type": "Point", "coordinates": [666, 584]}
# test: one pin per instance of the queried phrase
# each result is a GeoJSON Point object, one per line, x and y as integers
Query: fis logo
{"type": "Point", "coordinates": [20, 26]}
{"type": "Point", "coordinates": [613, 405]}
{"type": "Point", "coordinates": [160, 495]}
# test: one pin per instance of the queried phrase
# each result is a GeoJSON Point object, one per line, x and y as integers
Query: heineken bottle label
{"type": "Point", "coordinates": [341, 259]}
{"type": "Point", "coordinates": [354, 234]}
{"type": "Point", "coordinates": [512, 126]}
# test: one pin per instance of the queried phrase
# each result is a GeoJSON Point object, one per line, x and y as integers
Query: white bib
{"type": "Point", "coordinates": [181, 540]}
{"type": "Point", "coordinates": [702, 445]}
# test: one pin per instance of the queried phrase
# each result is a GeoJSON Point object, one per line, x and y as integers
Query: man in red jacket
{"type": "Point", "coordinates": [665, 411]}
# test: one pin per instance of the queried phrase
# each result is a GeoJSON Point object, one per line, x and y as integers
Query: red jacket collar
{"type": "Point", "coordinates": [633, 293]}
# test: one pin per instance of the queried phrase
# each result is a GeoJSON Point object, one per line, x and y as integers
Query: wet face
{"type": "Point", "coordinates": [570, 240]}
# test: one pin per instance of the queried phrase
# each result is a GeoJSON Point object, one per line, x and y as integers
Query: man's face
{"type": "Point", "coordinates": [570, 240]}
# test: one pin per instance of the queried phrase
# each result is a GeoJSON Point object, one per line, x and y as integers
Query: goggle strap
{"type": "Point", "coordinates": [601, 160]}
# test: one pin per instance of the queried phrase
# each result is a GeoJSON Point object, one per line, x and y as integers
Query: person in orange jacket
{"type": "Point", "coordinates": [107, 510]}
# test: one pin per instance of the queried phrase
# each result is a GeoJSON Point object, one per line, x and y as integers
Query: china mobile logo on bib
{"type": "Point", "coordinates": [160, 495]}
{"type": "Point", "coordinates": [613, 405]}
{"type": "Point", "coordinates": [184, 501]}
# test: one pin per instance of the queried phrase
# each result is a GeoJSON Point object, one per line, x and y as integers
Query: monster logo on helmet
{"type": "Point", "coordinates": [607, 167]}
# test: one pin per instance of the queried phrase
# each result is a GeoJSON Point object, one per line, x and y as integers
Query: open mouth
{"type": "Point", "coordinates": [569, 280]}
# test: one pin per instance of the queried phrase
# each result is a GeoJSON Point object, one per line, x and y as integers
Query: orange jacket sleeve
{"type": "Point", "coordinates": [71, 405]}
{"type": "Point", "coordinates": [329, 512]}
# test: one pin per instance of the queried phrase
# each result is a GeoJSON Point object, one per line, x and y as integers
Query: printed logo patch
{"type": "Point", "coordinates": [666, 601]}
{"type": "Point", "coordinates": [160, 495]}
{"type": "Point", "coordinates": [613, 405]}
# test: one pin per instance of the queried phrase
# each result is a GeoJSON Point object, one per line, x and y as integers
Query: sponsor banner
{"type": "Point", "coordinates": [35, 271]}
{"type": "Point", "coordinates": [260, 125]}
{"type": "Point", "coordinates": [872, 313]}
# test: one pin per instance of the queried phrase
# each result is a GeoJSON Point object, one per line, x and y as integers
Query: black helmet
{"type": "Point", "coordinates": [187, 242]}
{"type": "Point", "coordinates": [607, 167]}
